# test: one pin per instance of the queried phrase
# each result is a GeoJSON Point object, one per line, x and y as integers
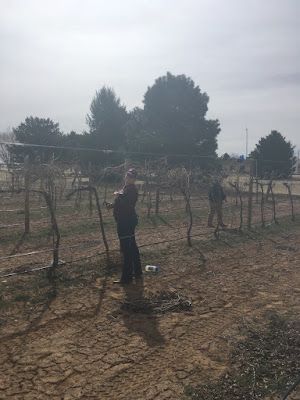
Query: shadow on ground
{"type": "Point", "coordinates": [144, 325]}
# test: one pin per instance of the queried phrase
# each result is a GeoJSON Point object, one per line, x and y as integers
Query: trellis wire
{"type": "Point", "coordinates": [98, 255]}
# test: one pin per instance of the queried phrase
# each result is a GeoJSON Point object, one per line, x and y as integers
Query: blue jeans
{"type": "Point", "coordinates": [132, 263]}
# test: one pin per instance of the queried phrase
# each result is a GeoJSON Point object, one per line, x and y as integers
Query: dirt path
{"type": "Point", "coordinates": [82, 345]}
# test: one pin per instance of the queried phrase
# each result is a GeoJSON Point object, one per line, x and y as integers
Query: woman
{"type": "Point", "coordinates": [127, 220]}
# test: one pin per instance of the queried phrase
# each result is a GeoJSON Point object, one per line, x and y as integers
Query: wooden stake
{"type": "Point", "coordinates": [27, 184]}
{"type": "Point", "coordinates": [249, 217]}
{"type": "Point", "coordinates": [90, 184]}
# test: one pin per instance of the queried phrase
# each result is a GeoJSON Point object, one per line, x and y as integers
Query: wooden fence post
{"type": "Point", "coordinates": [90, 185]}
{"type": "Point", "coordinates": [273, 203]}
{"type": "Point", "coordinates": [257, 183]}
{"type": "Point", "coordinates": [149, 199]}
{"type": "Point", "coordinates": [262, 206]}
{"type": "Point", "coordinates": [41, 182]}
{"type": "Point", "coordinates": [27, 184]}
{"type": "Point", "coordinates": [12, 182]}
{"type": "Point", "coordinates": [157, 198]}
{"type": "Point", "coordinates": [186, 195]}
{"type": "Point", "coordinates": [249, 218]}
{"type": "Point", "coordinates": [288, 186]}
{"type": "Point", "coordinates": [238, 195]}
{"type": "Point", "coordinates": [126, 163]}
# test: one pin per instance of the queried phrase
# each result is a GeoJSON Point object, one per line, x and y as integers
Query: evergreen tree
{"type": "Point", "coordinates": [107, 120]}
{"type": "Point", "coordinates": [175, 112]}
{"type": "Point", "coordinates": [107, 126]}
{"type": "Point", "coordinates": [274, 153]}
{"type": "Point", "coordinates": [37, 131]}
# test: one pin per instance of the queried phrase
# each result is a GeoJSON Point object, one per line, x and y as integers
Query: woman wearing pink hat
{"type": "Point", "coordinates": [127, 220]}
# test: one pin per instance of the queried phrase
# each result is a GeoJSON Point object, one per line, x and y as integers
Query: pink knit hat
{"type": "Point", "coordinates": [132, 172]}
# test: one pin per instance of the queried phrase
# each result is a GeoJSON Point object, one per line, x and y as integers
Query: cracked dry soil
{"type": "Point", "coordinates": [83, 345]}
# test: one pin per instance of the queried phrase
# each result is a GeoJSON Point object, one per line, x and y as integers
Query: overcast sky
{"type": "Point", "coordinates": [245, 54]}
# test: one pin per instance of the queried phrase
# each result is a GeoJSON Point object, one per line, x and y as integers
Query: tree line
{"type": "Point", "coordinates": [172, 122]}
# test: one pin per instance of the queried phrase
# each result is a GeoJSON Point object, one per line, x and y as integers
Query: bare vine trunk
{"type": "Point", "coordinates": [171, 194]}
{"type": "Point", "coordinates": [12, 181]}
{"type": "Point", "coordinates": [273, 203]}
{"type": "Point", "coordinates": [27, 187]}
{"type": "Point", "coordinates": [56, 234]}
{"type": "Point", "coordinates": [149, 200]}
{"type": "Point", "coordinates": [105, 194]}
{"type": "Point", "coordinates": [262, 206]}
{"type": "Point", "coordinates": [250, 196]}
{"type": "Point", "coordinates": [189, 210]}
{"type": "Point", "coordinates": [54, 226]}
{"type": "Point", "coordinates": [270, 185]}
{"type": "Point", "coordinates": [94, 190]}
{"type": "Point", "coordinates": [90, 192]}
{"type": "Point", "coordinates": [288, 186]}
{"type": "Point", "coordinates": [157, 199]}
{"type": "Point", "coordinates": [239, 195]}
{"type": "Point", "coordinates": [101, 224]}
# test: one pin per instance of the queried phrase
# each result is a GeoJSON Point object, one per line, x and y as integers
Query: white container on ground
{"type": "Point", "coordinates": [151, 268]}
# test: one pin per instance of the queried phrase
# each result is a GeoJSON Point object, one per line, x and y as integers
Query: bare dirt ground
{"type": "Point", "coordinates": [84, 344]}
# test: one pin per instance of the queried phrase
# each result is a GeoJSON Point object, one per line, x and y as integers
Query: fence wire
{"type": "Point", "coordinates": [150, 194]}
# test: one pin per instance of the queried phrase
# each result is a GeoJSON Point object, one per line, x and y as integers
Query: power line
{"type": "Point", "coordinates": [109, 151]}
